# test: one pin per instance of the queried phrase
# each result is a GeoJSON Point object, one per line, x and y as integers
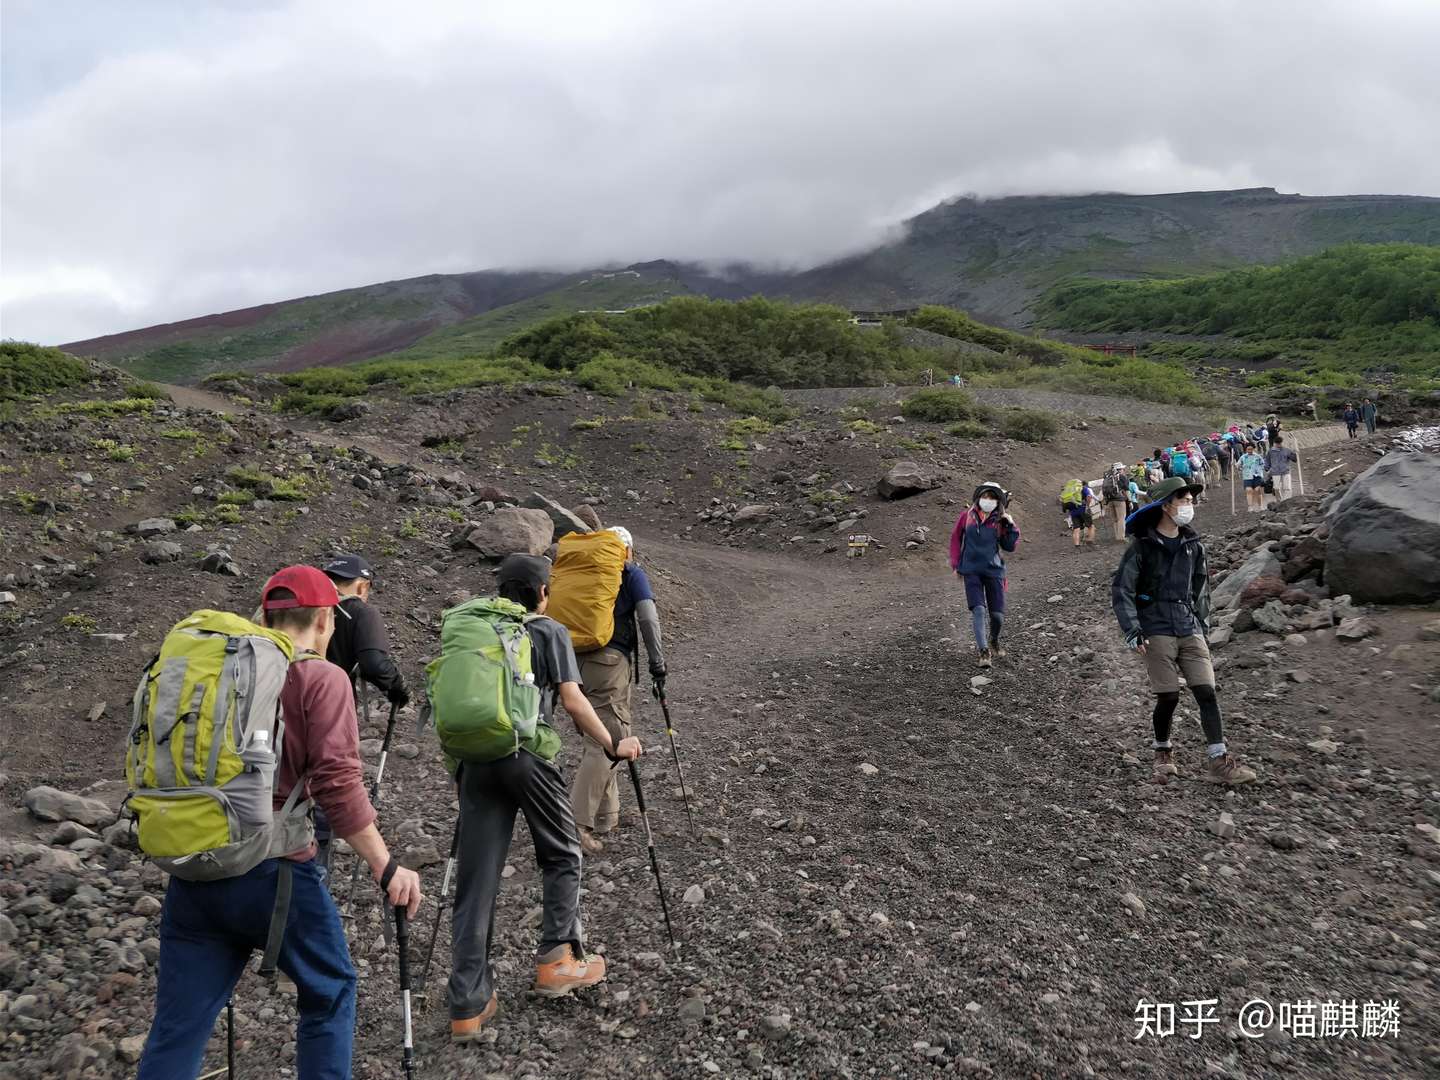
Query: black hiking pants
{"type": "Point", "coordinates": [490, 795]}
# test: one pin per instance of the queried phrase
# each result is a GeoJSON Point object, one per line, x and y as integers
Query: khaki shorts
{"type": "Point", "coordinates": [1167, 658]}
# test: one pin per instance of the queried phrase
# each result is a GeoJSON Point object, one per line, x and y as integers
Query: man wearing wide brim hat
{"type": "Point", "coordinates": [1161, 596]}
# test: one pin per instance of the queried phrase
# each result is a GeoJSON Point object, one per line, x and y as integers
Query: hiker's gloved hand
{"type": "Point", "coordinates": [398, 695]}
{"type": "Point", "coordinates": [657, 685]}
{"type": "Point", "coordinates": [627, 749]}
{"type": "Point", "coordinates": [1133, 640]}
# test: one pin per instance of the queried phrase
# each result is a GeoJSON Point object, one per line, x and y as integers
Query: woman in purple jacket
{"type": "Point", "coordinates": [982, 533]}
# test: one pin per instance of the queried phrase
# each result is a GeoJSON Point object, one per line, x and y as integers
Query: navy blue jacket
{"type": "Point", "coordinates": [977, 541]}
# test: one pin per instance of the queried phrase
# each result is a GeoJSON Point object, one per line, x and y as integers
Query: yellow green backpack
{"type": "Point", "coordinates": [203, 753]}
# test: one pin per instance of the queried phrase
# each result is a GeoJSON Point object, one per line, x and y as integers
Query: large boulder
{"type": "Point", "coordinates": [1262, 563]}
{"type": "Point", "coordinates": [1384, 543]}
{"type": "Point", "coordinates": [565, 521]}
{"type": "Point", "coordinates": [907, 478]}
{"type": "Point", "coordinates": [512, 529]}
{"type": "Point", "coordinates": [52, 804]}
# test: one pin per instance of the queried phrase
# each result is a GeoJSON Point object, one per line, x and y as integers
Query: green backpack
{"type": "Point", "coordinates": [482, 692]}
{"type": "Point", "coordinates": [202, 756]}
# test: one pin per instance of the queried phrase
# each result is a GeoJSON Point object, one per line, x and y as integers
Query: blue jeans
{"type": "Point", "coordinates": [208, 931]}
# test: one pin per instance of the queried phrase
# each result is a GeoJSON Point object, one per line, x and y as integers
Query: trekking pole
{"type": "Point", "coordinates": [402, 938]}
{"type": "Point", "coordinates": [670, 731]}
{"type": "Point", "coordinates": [384, 753]}
{"type": "Point", "coordinates": [654, 860]}
{"type": "Point", "coordinates": [230, 1036]}
{"type": "Point", "coordinates": [423, 987]}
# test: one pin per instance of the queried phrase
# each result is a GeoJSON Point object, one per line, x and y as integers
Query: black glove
{"type": "Point", "coordinates": [398, 695]}
{"type": "Point", "coordinates": [657, 686]}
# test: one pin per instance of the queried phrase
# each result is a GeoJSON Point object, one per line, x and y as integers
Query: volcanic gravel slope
{"type": "Point", "coordinates": [902, 873]}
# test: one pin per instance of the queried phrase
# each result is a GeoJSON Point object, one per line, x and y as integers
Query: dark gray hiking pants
{"type": "Point", "coordinates": [490, 794]}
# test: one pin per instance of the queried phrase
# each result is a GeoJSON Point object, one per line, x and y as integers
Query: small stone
{"type": "Point", "coordinates": [692, 1010]}
{"type": "Point", "coordinates": [96, 711]}
{"type": "Point", "coordinates": [155, 527]}
{"type": "Point", "coordinates": [694, 895]}
{"type": "Point", "coordinates": [1058, 598]}
{"type": "Point", "coordinates": [1298, 675]}
{"type": "Point", "coordinates": [866, 769]}
{"type": "Point", "coordinates": [147, 906]}
{"type": "Point", "coordinates": [1134, 904]}
{"type": "Point", "coordinates": [978, 684]}
{"type": "Point", "coordinates": [161, 551]}
{"type": "Point", "coordinates": [1295, 640]}
{"type": "Point", "coordinates": [1323, 746]}
{"type": "Point", "coordinates": [1223, 827]}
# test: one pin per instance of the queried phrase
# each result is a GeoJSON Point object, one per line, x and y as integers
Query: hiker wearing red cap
{"type": "Point", "coordinates": [210, 928]}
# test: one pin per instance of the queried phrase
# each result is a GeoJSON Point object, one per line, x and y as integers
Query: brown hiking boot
{"type": "Point", "coordinates": [998, 652]}
{"type": "Point", "coordinates": [1227, 769]}
{"type": "Point", "coordinates": [589, 843]}
{"type": "Point", "coordinates": [558, 972]}
{"type": "Point", "coordinates": [984, 658]}
{"type": "Point", "coordinates": [1164, 769]}
{"type": "Point", "coordinates": [462, 1031]}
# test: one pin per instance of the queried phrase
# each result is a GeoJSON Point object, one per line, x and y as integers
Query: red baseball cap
{"type": "Point", "coordinates": [310, 586]}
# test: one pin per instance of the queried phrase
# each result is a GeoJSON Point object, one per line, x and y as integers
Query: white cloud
{"type": "Point", "coordinates": [257, 155]}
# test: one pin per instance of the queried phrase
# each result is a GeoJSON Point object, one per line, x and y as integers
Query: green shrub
{"type": "Point", "coordinates": [240, 497]}
{"type": "Point", "coordinates": [750, 426]}
{"type": "Point", "coordinates": [1029, 425]}
{"type": "Point", "coordinates": [264, 485]}
{"type": "Point", "coordinates": [144, 389]}
{"type": "Point", "coordinates": [1138, 379]}
{"type": "Point", "coordinates": [613, 375]}
{"type": "Point", "coordinates": [27, 369]}
{"type": "Point", "coordinates": [969, 429]}
{"type": "Point", "coordinates": [102, 408]}
{"type": "Point", "coordinates": [958, 325]}
{"type": "Point", "coordinates": [864, 427]}
{"type": "Point", "coordinates": [84, 624]}
{"type": "Point", "coordinates": [587, 425]}
{"type": "Point", "coordinates": [180, 433]}
{"type": "Point", "coordinates": [939, 404]}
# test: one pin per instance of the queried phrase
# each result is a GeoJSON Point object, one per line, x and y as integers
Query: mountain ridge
{"type": "Point", "coordinates": [994, 258]}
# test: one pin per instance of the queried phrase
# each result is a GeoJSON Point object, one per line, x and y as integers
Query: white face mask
{"type": "Point", "coordinates": [1184, 515]}
{"type": "Point", "coordinates": [987, 505]}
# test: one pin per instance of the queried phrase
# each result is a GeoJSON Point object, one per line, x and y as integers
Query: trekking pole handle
{"type": "Point", "coordinates": [639, 792]}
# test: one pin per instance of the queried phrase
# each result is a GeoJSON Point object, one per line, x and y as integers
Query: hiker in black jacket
{"type": "Point", "coordinates": [360, 646]}
{"type": "Point", "coordinates": [1161, 596]}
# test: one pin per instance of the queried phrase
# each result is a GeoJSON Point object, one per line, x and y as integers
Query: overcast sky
{"type": "Point", "coordinates": [170, 158]}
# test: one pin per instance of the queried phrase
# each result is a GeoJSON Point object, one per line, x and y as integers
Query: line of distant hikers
{"type": "Point", "coordinates": [1257, 453]}
{"type": "Point", "coordinates": [244, 760]}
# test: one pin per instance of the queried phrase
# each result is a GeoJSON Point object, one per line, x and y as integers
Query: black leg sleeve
{"type": "Point", "coordinates": [1209, 713]}
{"type": "Point", "coordinates": [1165, 705]}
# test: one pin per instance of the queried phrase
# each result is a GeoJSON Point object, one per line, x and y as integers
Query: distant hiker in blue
{"type": "Point", "coordinates": [982, 533]}
{"type": "Point", "coordinates": [1351, 416]}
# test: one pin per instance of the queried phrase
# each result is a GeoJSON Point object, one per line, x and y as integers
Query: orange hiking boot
{"type": "Point", "coordinates": [462, 1031]}
{"type": "Point", "coordinates": [558, 972]}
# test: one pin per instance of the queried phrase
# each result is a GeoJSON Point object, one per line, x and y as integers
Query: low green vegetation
{"type": "Point", "coordinates": [1029, 425]}
{"type": "Point", "coordinates": [1139, 379]}
{"type": "Point", "coordinates": [27, 369]}
{"type": "Point", "coordinates": [264, 485]}
{"type": "Point", "coordinates": [108, 409]}
{"type": "Point", "coordinates": [115, 451]}
{"type": "Point", "coordinates": [81, 624]}
{"type": "Point", "coordinates": [968, 429]}
{"type": "Point", "coordinates": [1357, 307]}
{"type": "Point", "coordinates": [939, 404]}
{"type": "Point", "coordinates": [958, 325]}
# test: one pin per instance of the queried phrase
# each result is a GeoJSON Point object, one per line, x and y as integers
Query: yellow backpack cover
{"type": "Point", "coordinates": [584, 585]}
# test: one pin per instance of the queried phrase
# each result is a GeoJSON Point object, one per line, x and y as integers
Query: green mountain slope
{"type": "Point", "coordinates": [1354, 307]}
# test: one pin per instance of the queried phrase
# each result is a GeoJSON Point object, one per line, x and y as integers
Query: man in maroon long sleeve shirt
{"type": "Point", "coordinates": [209, 929]}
